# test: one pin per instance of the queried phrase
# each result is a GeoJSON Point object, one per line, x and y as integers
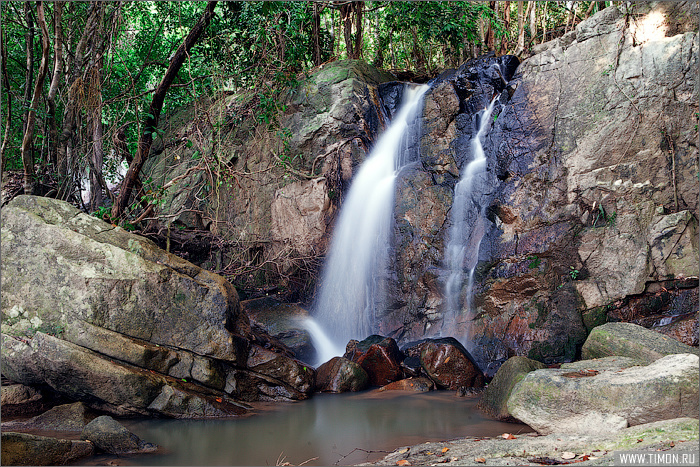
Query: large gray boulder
{"type": "Point", "coordinates": [61, 265]}
{"type": "Point", "coordinates": [107, 317]}
{"type": "Point", "coordinates": [494, 399]}
{"type": "Point", "coordinates": [631, 340]}
{"type": "Point", "coordinates": [605, 398]}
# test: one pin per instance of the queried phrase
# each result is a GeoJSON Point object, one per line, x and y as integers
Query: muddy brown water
{"type": "Point", "coordinates": [328, 429]}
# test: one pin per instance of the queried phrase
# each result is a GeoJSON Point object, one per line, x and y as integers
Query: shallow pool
{"type": "Point", "coordinates": [328, 429]}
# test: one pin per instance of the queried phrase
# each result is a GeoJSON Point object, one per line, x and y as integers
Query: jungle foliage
{"type": "Point", "coordinates": [84, 83]}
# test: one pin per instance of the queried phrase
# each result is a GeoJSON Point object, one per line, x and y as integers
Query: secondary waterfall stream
{"type": "Point", "coordinates": [468, 226]}
{"type": "Point", "coordinates": [350, 288]}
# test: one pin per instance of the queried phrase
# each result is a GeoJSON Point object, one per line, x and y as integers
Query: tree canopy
{"type": "Point", "coordinates": [83, 83]}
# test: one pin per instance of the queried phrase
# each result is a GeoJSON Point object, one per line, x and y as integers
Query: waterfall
{"type": "Point", "coordinates": [468, 226]}
{"type": "Point", "coordinates": [349, 292]}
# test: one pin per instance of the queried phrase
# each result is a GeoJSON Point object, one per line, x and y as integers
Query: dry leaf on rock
{"type": "Point", "coordinates": [479, 460]}
{"type": "Point", "coordinates": [403, 462]}
{"type": "Point", "coordinates": [507, 436]}
{"type": "Point", "coordinates": [568, 455]}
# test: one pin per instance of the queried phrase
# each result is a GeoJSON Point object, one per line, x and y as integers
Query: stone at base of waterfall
{"type": "Point", "coordinates": [110, 436]}
{"type": "Point", "coordinates": [19, 399]}
{"type": "Point", "coordinates": [631, 340]}
{"type": "Point", "coordinates": [283, 322]}
{"type": "Point", "coordinates": [589, 399]}
{"type": "Point", "coordinates": [420, 384]}
{"type": "Point", "coordinates": [66, 417]}
{"type": "Point", "coordinates": [379, 356]}
{"type": "Point", "coordinates": [449, 364]}
{"type": "Point", "coordinates": [495, 397]}
{"type": "Point", "coordinates": [341, 375]}
{"type": "Point", "coordinates": [27, 449]}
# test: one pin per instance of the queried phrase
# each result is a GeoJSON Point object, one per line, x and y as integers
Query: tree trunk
{"type": "Point", "coordinates": [532, 8]}
{"type": "Point", "coordinates": [521, 30]}
{"type": "Point", "coordinates": [6, 85]}
{"type": "Point", "coordinates": [316, 34]}
{"type": "Point", "coordinates": [358, 29]}
{"type": "Point", "coordinates": [55, 79]}
{"type": "Point", "coordinates": [146, 138]}
{"type": "Point", "coordinates": [490, 34]}
{"type": "Point", "coordinates": [506, 25]}
{"type": "Point", "coordinates": [346, 10]}
{"type": "Point", "coordinates": [29, 77]}
{"type": "Point", "coordinates": [27, 159]}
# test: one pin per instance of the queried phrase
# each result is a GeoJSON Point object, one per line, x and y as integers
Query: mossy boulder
{"type": "Point", "coordinates": [495, 397]}
{"type": "Point", "coordinates": [631, 340]}
{"type": "Point", "coordinates": [604, 398]}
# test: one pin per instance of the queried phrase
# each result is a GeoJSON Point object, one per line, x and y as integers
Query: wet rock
{"type": "Point", "coordinates": [684, 330]}
{"type": "Point", "coordinates": [20, 399]}
{"type": "Point", "coordinates": [341, 375]}
{"type": "Point", "coordinates": [419, 384]}
{"type": "Point", "coordinates": [298, 377]}
{"type": "Point", "coordinates": [380, 357]}
{"type": "Point", "coordinates": [110, 436]}
{"type": "Point", "coordinates": [449, 364]}
{"type": "Point", "coordinates": [283, 321]}
{"type": "Point", "coordinates": [631, 340]}
{"type": "Point", "coordinates": [112, 386]}
{"type": "Point", "coordinates": [66, 417]}
{"type": "Point", "coordinates": [495, 397]}
{"type": "Point", "coordinates": [600, 400]}
{"type": "Point", "coordinates": [27, 449]}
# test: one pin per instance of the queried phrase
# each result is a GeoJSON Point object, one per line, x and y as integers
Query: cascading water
{"type": "Point", "coordinates": [468, 226]}
{"type": "Point", "coordinates": [349, 292]}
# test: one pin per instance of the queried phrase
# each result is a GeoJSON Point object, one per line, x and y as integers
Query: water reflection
{"type": "Point", "coordinates": [329, 427]}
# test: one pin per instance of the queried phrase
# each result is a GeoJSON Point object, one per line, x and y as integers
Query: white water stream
{"type": "Point", "coordinates": [349, 292]}
{"type": "Point", "coordinates": [468, 226]}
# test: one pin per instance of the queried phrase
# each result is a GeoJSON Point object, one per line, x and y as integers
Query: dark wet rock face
{"type": "Point", "coordinates": [341, 375]}
{"type": "Point", "coordinates": [590, 195]}
{"type": "Point", "coordinates": [379, 356]}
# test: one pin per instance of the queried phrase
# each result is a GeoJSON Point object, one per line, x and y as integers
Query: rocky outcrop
{"type": "Point", "coordinates": [280, 184]}
{"type": "Point", "coordinates": [65, 417]}
{"type": "Point", "coordinates": [593, 196]}
{"type": "Point", "coordinates": [631, 340]}
{"type": "Point", "coordinates": [106, 317]}
{"type": "Point", "coordinates": [600, 399]}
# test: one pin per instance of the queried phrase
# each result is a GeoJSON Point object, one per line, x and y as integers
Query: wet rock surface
{"type": "Point", "coordinates": [379, 356]}
{"type": "Point", "coordinates": [341, 375]}
{"type": "Point", "coordinates": [585, 220]}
